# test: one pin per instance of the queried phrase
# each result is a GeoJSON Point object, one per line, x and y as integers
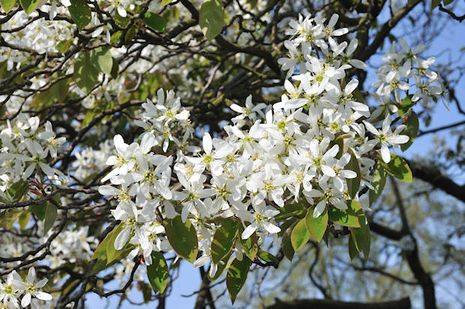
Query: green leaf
{"type": "Point", "coordinates": [146, 292]}
{"type": "Point", "coordinates": [86, 71]}
{"type": "Point", "coordinates": [268, 258]}
{"type": "Point", "coordinates": [80, 13]}
{"type": "Point", "coordinates": [155, 21]}
{"type": "Point", "coordinates": [287, 248]}
{"type": "Point", "coordinates": [316, 226]}
{"type": "Point", "coordinates": [435, 3]}
{"type": "Point", "coordinates": [353, 252]}
{"type": "Point", "coordinates": [165, 2]}
{"type": "Point", "coordinates": [101, 250]}
{"type": "Point", "coordinates": [378, 182]}
{"type": "Point", "coordinates": [354, 183]}
{"type": "Point", "coordinates": [361, 238]}
{"type": "Point", "coordinates": [398, 168]}
{"type": "Point", "coordinates": [7, 5]}
{"type": "Point", "coordinates": [39, 210]}
{"type": "Point", "coordinates": [252, 3]}
{"type": "Point", "coordinates": [250, 246]}
{"type": "Point", "coordinates": [23, 219]}
{"type": "Point", "coordinates": [157, 272]}
{"type": "Point", "coordinates": [220, 267]}
{"type": "Point", "coordinates": [348, 217]}
{"type": "Point", "coordinates": [300, 235]}
{"type": "Point", "coordinates": [291, 210]}
{"type": "Point", "coordinates": [30, 6]}
{"type": "Point", "coordinates": [56, 92]}
{"type": "Point", "coordinates": [211, 18]}
{"type": "Point", "coordinates": [182, 237]}
{"type": "Point", "coordinates": [405, 105]}
{"type": "Point", "coordinates": [50, 217]}
{"type": "Point", "coordinates": [121, 21]}
{"type": "Point", "coordinates": [411, 121]}
{"type": "Point", "coordinates": [111, 253]}
{"type": "Point", "coordinates": [8, 217]}
{"type": "Point", "coordinates": [224, 239]}
{"type": "Point", "coordinates": [18, 190]}
{"type": "Point", "coordinates": [105, 61]}
{"type": "Point", "coordinates": [236, 277]}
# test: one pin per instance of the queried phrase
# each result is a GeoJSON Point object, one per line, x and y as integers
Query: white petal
{"type": "Point", "coordinates": [43, 296]}
{"type": "Point", "coordinates": [26, 300]}
{"type": "Point", "coordinates": [328, 171]}
{"type": "Point", "coordinates": [385, 154]}
{"type": "Point", "coordinates": [351, 86]}
{"type": "Point", "coordinates": [399, 139]}
{"type": "Point", "coordinates": [108, 190]}
{"type": "Point", "coordinates": [271, 228]}
{"type": "Point", "coordinates": [249, 231]}
{"type": "Point", "coordinates": [122, 238]}
{"type": "Point", "coordinates": [320, 207]}
{"type": "Point", "coordinates": [207, 143]}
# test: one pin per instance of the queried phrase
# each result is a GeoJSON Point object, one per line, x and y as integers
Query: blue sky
{"type": "Point", "coordinates": [452, 40]}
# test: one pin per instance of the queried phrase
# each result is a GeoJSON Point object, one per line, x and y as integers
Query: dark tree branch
{"type": "Point", "coordinates": [403, 303]}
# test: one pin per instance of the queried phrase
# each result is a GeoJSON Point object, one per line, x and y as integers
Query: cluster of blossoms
{"type": "Point", "coordinates": [27, 148]}
{"type": "Point", "coordinates": [297, 150]}
{"type": "Point", "coordinates": [29, 291]}
{"type": "Point", "coordinates": [402, 70]}
{"type": "Point", "coordinates": [25, 38]}
{"type": "Point", "coordinates": [71, 246]}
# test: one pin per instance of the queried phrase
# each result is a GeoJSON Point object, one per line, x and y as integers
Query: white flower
{"type": "Point", "coordinates": [261, 221]}
{"type": "Point", "coordinates": [386, 137]}
{"type": "Point", "coordinates": [32, 288]}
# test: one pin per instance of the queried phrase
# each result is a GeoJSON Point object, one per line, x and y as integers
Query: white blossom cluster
{"type": "Point", "coordinates": [25, 38]}
{"type": "Point", "coordinates": [403, 69]}
{"type": "Point", "coordinates": [27, 148]}
{"type": "Point", "coordinates": [297, 150]}
{"type": "Point", "coordinates": [72, 245]}
{"type": "Point", "coordinates": [18, 293]}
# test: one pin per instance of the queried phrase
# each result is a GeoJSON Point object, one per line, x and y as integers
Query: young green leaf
{"type": "Point", "coordinates": [353, 184]}
{"type": "Point", "coordinates": [111, 252]}
{"type": "Point", "coordinates": [157, 272]}
{"type": "Point", "coordinates": [24, 218]}
{"type": "Point", "coordinates": [39, 210]}
{"type": "Point", "coordinates": [105, 60]}
{"type": "Point", "coordinates": [211, 18]}
{"type": "Point", "coordinates": [268, 258]}
{"type": "Point", "coordinates": [7, 5]}
{"type": "Point", "coordinates": [348, 217]}
{"type": "Point", "coordinates": [30, 6]}
{"type": "Point", "coordinates": [236, 277]}
{"type": "Point", "coordinates": [353, 252]}
{"type": "Point", "coordinates": [316, 226]}
{"type": "Point", "coordinates": [102, 249]}
{"type": "Point", "coordinates": [182, 237]}
{"type": "Point", "coordinates": [155, 22]}
{"type": "Point", "coordinates": [291, 210]}
{"type": "Point", "coordinates": [80, 13]}
{"type": "Point", "coordinates": [361, 238]}
{"type": "Point", "coordinates": [223, 240]}
{"type": "Point", "coordinates": [378, 182]}
{"type": "Point", "coordinates": [286, 246]}
{"type": "Point", "coordinates": [50, 217]}
{"type": "Point", "coordinates": [86, 71]}
{"type": "Point", "coordinates": [300, 235]}
{"type": "Point", "coordinates": [398, 168]}
{"type": "Point", "coordinates": [250, 246]}
{"type": "Point", "coordinates": [220, 267]}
